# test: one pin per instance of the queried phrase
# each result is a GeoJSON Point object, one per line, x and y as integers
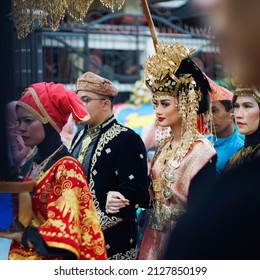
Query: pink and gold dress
{"type": "Point", "coordinates": [170, 187]}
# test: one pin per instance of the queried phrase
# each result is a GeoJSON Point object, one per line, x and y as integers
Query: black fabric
{"type": "Point", "coordinates": [32, 235]}
{"type": "Point", "coordinates": [252, 140]}
{"type": "Point", "coordinates": [118, 163]}
{"type": "Point", "coordinates": [202, 183]}
{"type": "Point", "coordinates": [188, 66]}
{"type": "Point", "coordinates": [50, 143]}
{"type": "Point", "coordinates": [62, 153]}
{"type": "Point", "coordinates": [225, 225]}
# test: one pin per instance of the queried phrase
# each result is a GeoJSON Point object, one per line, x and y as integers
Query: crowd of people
{"type": "Point", "coordinates": [199, 196]}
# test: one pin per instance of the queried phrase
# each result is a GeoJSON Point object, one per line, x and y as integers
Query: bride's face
{"type": "Point", "coordinates": [166, 109]}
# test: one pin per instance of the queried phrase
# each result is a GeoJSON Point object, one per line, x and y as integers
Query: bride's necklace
{"type": "Point", "coordinates": [36, 170]}
{"type": "Point", "coordinates": [172, 158]}
{"type": "Point", "coordinates": [169, 163]}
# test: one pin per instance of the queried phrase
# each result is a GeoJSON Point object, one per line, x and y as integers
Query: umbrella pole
{"type": "Point", "coordinates": [150, 23]}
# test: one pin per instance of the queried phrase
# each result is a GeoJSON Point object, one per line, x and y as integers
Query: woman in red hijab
{"type": "Point", "coordinates": [63, 223]}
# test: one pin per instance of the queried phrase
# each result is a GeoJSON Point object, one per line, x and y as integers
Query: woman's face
{"type": "Point", "coordinates": [31, 129]}
{"type": "Point", "coordinates": [166, 109]}
{"type": "Point", "coordinates": [246, 111]}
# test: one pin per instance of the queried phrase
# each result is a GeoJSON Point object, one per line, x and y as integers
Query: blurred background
{"type": "Point", "coordinates": [58, 43]}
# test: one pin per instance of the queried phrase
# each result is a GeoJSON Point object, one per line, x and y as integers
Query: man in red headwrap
{"type": "Point", "coordinates": [224, 137]}
{"type": "Point", "coordinates": [58, 220]}
{"type": "Point", "coordinates": [114, 159]}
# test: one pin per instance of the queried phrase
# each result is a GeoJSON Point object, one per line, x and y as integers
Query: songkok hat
{"type": "Point", "coordinates": [171, 71]}
{"type": "Point", "coordinates": [96, 84]}
{"type": "Point", "coordinates": [218, 92]}
{"type": "Point", "coordinates": [248, 91]}
{"type": "Point", "coordinates": [53, 103]}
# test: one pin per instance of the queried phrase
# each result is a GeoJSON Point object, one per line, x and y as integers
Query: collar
{"type": "Point", "coordinates": [253, 140]}
{"type": "Point", "coordinates": [221, 141]}
{"type": "Point", "coordinates": [108, 121]}
{"type": "Point", "coordinates": [91, 131]}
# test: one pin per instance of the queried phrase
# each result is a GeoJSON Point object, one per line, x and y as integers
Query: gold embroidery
{"type": "Point", "coordinates": [73, 174]}
{"type": "Point", "coordinates": [129, 255]}
{"type": "Point", "coordinates": [68, 202]}
{"type": "Point", "coordinates": [111, 133]}
{"type": "Point", "coordinates": [85, 143]}
{"type": "Point", "coordinates": [241, 156]}
{"type": "Point", "coordinates": [92, 133]}
{"type": "Point", "coordinates": [72, 202]}
{"type": "Point", "coordinates": [21, 254]}
{"type": "Point", "coordinates": [88, 216]}
{"type": "Point", "coordinates": [56, 223]}
{"type": "Point", "coordinates": [108, 222]}
{"type": "Point", "coordinates": [36, 171]}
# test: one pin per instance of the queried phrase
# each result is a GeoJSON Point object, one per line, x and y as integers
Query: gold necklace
{"type": "Point", "coordinates": [83, 150]}
{"type": "Point", "coordinates": [171, 156]}
{"type": "Point", "coordinates": [171, 159]}
{"type": "Point", "coordinates": [91, 134]}
{"type": "Point", "coordinates": [36, 170]}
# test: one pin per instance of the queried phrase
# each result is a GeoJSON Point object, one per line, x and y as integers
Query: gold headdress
{"type": "Point", "coordinates": [248, 91]}
{"type": "Point", "coordinates": [171, 72]}
{"type": "Point", "coordinates": [160, 69]}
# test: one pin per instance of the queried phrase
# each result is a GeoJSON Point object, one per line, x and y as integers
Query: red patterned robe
{"type": "Point", "coordinates": [65, 215]}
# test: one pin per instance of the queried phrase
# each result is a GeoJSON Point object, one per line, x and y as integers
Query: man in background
{"type": "Point", "coordinates": [224, 137]}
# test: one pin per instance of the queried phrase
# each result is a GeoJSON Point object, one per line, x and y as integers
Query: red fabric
{"type": "Point", "coordinates": [58, 102]}
{"type": "Point", "coordinates": [218, 92]}
{"type": "Point", "coordinates": [65, 214]}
